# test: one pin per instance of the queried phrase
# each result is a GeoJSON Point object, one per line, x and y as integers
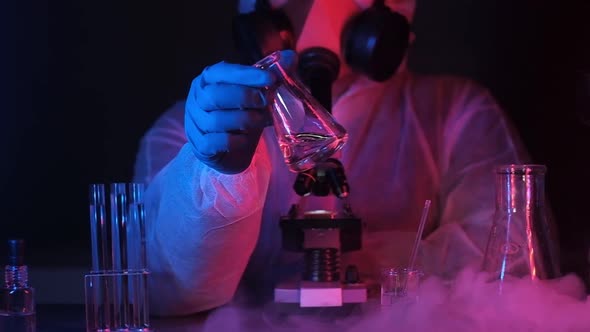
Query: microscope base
{"type": "Point", "coordinates": [320, 294]}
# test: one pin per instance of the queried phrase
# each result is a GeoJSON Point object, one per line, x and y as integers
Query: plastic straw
{"type": "Point", "coordinates": [419, 235]}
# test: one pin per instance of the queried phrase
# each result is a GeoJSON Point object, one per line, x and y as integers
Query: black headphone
{"type": "Point", "coordinates": [373, 42]}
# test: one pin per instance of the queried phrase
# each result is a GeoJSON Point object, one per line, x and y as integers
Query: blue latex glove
{"type": "Point", "coordinates": [226, 111]}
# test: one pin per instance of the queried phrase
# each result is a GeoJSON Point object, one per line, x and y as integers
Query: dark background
{"type": "Point", "coordinates": [81, 81]}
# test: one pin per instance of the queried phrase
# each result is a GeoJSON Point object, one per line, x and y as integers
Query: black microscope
{"type": "Point", "coordinates": [322, 236]}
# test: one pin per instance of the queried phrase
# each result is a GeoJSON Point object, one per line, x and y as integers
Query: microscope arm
{"type": "Point", "coordinates": [326, 178]}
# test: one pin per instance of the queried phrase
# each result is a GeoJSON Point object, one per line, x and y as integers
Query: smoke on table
{"type": "Point", "coordinates": [470, 303]}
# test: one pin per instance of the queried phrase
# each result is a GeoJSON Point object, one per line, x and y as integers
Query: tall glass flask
{"type": "Point", "coordinates": [522, 242]}
{"type": "Point", "coordinates": [307, 132]}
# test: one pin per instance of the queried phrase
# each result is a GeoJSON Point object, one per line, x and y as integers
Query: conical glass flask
{"type": "Point", "coordinates": [521, 242]}
{"type": "Point", "coordinates": [307, 132]}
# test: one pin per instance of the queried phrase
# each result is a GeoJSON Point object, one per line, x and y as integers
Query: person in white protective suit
{"type": "Point", "coordinates": [217, 183]}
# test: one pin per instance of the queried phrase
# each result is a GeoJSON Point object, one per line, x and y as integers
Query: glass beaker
{"type": "Point", "coordinates": [399, 283]}
{"type": "Point", "coordinates": [521, 242]}
{"type": "Point", "coordinates": [306, 131]}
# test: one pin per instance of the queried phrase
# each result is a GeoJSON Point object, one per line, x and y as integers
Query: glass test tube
{"type": "Point", "coordinates": [117, 286]}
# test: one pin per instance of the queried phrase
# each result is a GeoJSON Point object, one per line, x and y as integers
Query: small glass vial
{"type": "Point", "coordinates": [17, 303]}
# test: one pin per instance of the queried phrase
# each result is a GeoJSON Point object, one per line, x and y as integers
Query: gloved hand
{"type": "Point", "coordinates": [226, 111]}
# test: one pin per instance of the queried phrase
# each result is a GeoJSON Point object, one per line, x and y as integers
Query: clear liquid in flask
{"type": "Point", "coordinates": [303, 150]}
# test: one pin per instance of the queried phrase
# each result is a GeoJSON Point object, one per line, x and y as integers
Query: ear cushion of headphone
{"type": "Point", "coordinates": [262, 32]}
{"type": "Point", "coordinates": [374, 42]}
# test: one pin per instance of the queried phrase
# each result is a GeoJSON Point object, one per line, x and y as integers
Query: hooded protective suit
{"type": "Point", "coordinates": [411, 138]}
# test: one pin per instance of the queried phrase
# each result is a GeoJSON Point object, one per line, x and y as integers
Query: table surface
{"type": "Point", "coordinates": [71, 318]}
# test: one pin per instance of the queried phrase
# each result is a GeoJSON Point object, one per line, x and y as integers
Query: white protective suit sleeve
{"type": "Point", "coordinates": [196, 263]}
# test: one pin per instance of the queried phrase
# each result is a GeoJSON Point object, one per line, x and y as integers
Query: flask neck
{"type": "Point", "coordinates": [16, 276]}
{"type": "Point", "coordinates": [520, 188]}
